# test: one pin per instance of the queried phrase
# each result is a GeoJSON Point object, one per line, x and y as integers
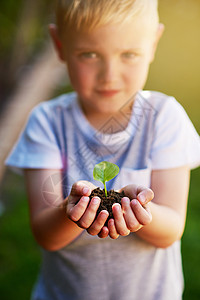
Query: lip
{"type": "Point", "coordinates": [108, 93]}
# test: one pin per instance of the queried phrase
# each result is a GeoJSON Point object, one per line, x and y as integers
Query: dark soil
{"type": "Point", "coordinates": [107, 202]}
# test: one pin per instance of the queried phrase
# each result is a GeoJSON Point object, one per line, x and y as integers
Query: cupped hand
{"type": "Point", "coordinates": [133, 213]}
{"type": "Point", "coordinates": [142, 194]}
{"type": "Point", "coordinates": [82, 211]}
{"type": "Point", "coordinates": [130, 216]}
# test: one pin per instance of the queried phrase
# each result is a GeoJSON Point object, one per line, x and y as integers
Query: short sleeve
{"type": "Point", "coordinates": [175, 142]}
{"type": "Point", "coordinates": [37, 146]}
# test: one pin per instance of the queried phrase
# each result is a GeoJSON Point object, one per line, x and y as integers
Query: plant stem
{"type": "Point", "coordinates": [105, 189]}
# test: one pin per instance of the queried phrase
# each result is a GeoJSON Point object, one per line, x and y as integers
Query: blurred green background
{"type": "Point", "coordinates": [175, 72]}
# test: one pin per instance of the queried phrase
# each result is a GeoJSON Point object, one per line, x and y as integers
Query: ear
{"type": "Point", "coordinates": [56, 40]}
{"type": "Point", "coordinates": [159, 34]}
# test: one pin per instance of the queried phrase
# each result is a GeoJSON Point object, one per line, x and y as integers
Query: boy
{"type": "Point", "coordinates": [108, 47]}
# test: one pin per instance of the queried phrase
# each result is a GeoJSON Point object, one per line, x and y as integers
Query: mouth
{"type": "Point", "coordinates": [107, 93]}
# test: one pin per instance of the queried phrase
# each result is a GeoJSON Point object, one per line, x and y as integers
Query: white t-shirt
{"type": "Point", "coordinates": [159, 136]}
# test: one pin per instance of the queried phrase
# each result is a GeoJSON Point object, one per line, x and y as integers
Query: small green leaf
{"type": "Point", "coordinates": [105, 171]}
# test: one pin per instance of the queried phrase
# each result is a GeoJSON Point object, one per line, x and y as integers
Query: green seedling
{"type": "Point", "coordinates": [105, 171]}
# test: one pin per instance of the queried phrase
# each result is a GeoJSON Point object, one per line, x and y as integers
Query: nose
{"type": "Point", "coordinates": [108, 71]}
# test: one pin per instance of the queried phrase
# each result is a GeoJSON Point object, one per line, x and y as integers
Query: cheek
{"type": "Point", "coordinates": [81, 77]}
{"type": "Point", "coordinates": [139, 73]}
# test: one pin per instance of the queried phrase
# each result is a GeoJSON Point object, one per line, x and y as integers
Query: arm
{"type": "Point", "coordinates": [160, 222]}
{"type": "Point", "coordinates": [168, 208]}
{"type": "Point", "coordinates": [49, 223]}
{"type": "Point", "coordinates": [56, 222]}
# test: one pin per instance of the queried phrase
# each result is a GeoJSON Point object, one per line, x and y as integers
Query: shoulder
{"type": "Point", "coordinates": [160, 101]}
{"type": "Point", "coordinates": [48, 117]}
{"type": "Point", "coordinates": [171, 129]}
{"type": "Point", "coordinates": [62, 103]}
{"type": "Point", "coordinates": [166, 108]}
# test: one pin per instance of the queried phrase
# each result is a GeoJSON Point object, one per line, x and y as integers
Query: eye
{"type": "Point", "coordinates": [89, 55]}
{"type": "Point", "coordinates": [129, 55]}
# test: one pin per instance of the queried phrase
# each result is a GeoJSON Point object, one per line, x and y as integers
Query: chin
{"type": "Point", "coordinates": [109, 108]}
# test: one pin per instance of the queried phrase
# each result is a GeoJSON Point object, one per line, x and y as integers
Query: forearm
{"type": "Point", "coordinates": [53, 229]}
{"type": "Point", "coordinates": [166, 227]}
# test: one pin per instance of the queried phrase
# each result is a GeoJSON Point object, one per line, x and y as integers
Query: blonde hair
{"type": "Point", "coordinates": [90, 14]}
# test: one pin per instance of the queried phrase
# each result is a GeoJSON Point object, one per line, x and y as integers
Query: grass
{"type": "Point", "coordinates": [20, 257]}
{"type": "Point", "coordinates": [191, 241]}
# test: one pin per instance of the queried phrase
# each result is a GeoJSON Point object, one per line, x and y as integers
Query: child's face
{"type": "Point", "coordinates": [108, 65]}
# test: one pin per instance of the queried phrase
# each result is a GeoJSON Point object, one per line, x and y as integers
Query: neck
{"type": "Point", "coordinates": [109, 123]}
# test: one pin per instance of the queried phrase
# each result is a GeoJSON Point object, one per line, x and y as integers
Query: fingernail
{"type": "Point", "coordinates": [95, 200]}
{"type": "Point", "coordinates": [126, 200]}
{"type": "Point", "coordinates": [134, 202]}
{"type": "Point", "coordinates": [85, 198]}
{"type": "Point", "coordinates": [117, 205]}
{"type": "Point", "coordinates": [85, 190]}
{"type": "Point", "coordinates": [142, 198]}
{"type": "Point", "coordinates": [104, 213]}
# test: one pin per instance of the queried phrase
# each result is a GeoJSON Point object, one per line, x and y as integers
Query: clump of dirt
{"type": "Point", "coordinates": [107, 202]}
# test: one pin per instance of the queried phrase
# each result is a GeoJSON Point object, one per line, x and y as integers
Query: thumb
{"type": "Point", "coordinates": [145, 196]}
{"type": "Point", "coordinates": [82, 188]}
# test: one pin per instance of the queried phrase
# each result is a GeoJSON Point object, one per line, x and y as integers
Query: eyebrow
{"type": "Point", "coordinates": [96, 49]}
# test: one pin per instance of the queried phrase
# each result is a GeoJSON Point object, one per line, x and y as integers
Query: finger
{"type": "Point", "coordinates": [80, 189]}
{"type": "Point", "coordinates": [142, 214]}
{"type": "Point", "coordinates": [130, 190]}
{"type": "Point", "coordinates": [112, 229]}
{"type": "Point", "coordinates": [98, 225]}
{"type": "Point", "coordinates": [75, 212]}
{"type": "Point", "coordinates": [90, 213]}
{"type": "Point", "coordinates": [120, 223]}
{"type": "Point", "coordinates": [145, 195]}
{"type": "Point", "coordinates": [103, 233]}
{"type": "Point", "coordinates": [129, 216]}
